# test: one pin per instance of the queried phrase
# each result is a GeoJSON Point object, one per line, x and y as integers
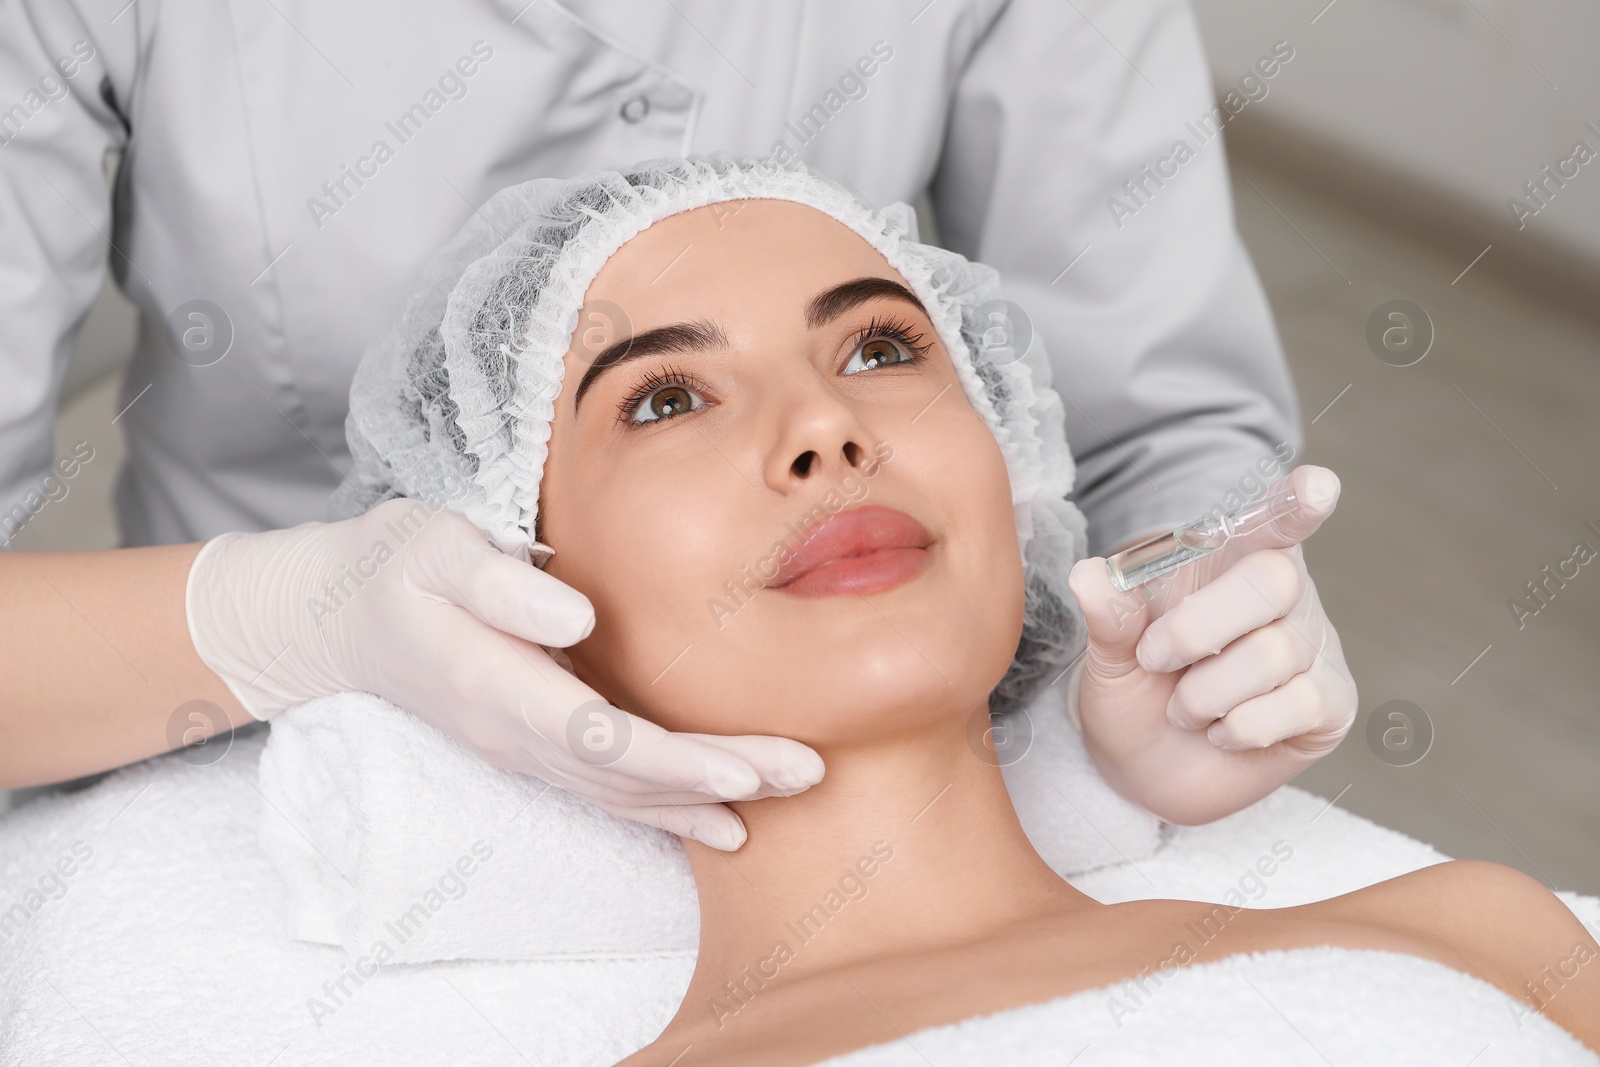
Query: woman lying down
{"type": "Point", "coordinates": [758, 354]}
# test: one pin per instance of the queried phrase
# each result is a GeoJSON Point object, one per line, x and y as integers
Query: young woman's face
{"type": "Point", "coordinates": [767, 479]}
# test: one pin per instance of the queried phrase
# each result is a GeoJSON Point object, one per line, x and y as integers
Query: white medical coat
{"type": "Point", "coordinates": [294, 162]}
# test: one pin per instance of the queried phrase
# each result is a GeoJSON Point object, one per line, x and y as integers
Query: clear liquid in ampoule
{"type": "Point", "coordinates": [1167, 552]}
{"type": "Point", "coordinates": [1161, 554]}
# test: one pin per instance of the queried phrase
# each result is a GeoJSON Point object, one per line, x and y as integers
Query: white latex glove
{"type": "Point", "coordinates": [413, 604]}
{"type": "Point", "coordinates": [1204, 690]}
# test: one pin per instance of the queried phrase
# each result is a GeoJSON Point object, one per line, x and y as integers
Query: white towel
{"type": "Point", "coordinates": [1291, 1008]}
{"type": "Point", "coordinates": [166, 946]}
{"type": "Point", "coordinates": [386, 830]}
{"type": "Point", "coordinates": [1354, 1006]}
{"type": "Point", "coordinates": [373, 818]}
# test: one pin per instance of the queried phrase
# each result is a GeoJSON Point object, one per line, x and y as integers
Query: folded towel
{"type": "Point", "coordinates": [1310, 1006]}
{"type": "Point", "coordinates": [386, 830]}
{"type": "Point", "coordinates": [164, 944]}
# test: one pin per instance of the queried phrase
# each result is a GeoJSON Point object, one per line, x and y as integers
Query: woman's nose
{"type": "Point", "coordinates": [821, 440]}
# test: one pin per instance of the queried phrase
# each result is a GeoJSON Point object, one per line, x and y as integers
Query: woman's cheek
{"type": "Point", "coordinates": [664, 562]}
{"type": "Point", "coordinates": [977, 463]}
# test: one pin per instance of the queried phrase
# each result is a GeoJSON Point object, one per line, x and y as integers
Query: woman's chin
{"type": "Point", "coordinates": [822, 667]}
{"type": "Point", "coordinates": [884, 689]}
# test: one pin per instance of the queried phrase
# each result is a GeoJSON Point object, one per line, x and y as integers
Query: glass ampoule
{"type": "Point", "coordinates": [1165, 553]}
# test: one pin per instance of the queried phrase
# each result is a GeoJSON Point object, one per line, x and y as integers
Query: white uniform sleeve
{"type": "Point", "coordinates": [1161, 340]}
{"type": "Point", "coordinates": [63, 77]}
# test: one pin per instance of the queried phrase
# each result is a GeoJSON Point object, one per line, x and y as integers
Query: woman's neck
{"type": "Point", "coordinates": [907, 843]}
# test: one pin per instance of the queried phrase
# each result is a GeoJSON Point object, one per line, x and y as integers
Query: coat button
{"type": "Point", "coordinates": [635, 108]}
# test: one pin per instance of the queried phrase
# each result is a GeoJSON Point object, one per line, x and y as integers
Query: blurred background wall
{"type": "Point", "coordinates": [1432, 115]}
{"type": "Point", "coordinates": [1378, 167]}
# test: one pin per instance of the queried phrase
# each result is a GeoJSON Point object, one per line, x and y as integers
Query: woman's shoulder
{"type": "Point", "coordinates": [1476, 907]}
{"type": "Point", "coordinates": [1100, 966]}
{"type": "Point", "coordinates": [1500, 924]}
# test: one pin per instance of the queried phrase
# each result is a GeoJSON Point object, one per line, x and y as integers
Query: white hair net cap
{"type": "Point", "coordinates": [453, 404]}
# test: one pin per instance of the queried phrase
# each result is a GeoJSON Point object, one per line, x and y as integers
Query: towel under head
{"type": "Point", "coordinates": [387, 832]}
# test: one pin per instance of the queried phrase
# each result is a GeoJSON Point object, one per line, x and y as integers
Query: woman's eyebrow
{"type": "Point", "coordinates": [703, 336]}
{"type": "Point", "coordinates": [831, 303]}
{"type": "Point", "coordinates": [698, 336]}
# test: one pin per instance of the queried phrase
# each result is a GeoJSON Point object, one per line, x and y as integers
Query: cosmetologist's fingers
{"type": "Point", "coordinates": [710, 824]}
{"type": "Point", "coordinates": [786, 766]}
{"type": "Point", "coordinates": [1254, 665]}
{"type": "Point", "coordinates": [463, 568]}
{"type": "Point", "coordinates": [1114, 620]}
{"type": "Point", "coordinates": [1294, 708]}
{"type": "Point", "coordinates": [1316, 491]}
{"type": "Point", "coordinates": [1259, 588]}
{"type": "Point", "coordinates": [672, 761]}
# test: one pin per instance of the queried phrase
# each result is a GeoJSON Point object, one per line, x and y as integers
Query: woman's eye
{"type": "Point", "coordinates": [878, 352]}
{"type": "Point", "coordinates": [665, 403]}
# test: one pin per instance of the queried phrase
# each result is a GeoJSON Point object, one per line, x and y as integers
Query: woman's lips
{"type": "Point", "coordinates": [865, 549]}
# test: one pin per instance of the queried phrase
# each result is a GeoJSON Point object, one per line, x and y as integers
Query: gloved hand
{"type": "Point", "coordinates": [412, 603]}
{"type": "Point", "coordinates": [1202, 691]}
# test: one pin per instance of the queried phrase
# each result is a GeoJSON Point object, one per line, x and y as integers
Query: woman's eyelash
{"type": "Point", "coordinates": [890, 327]}
{"type": "Point", "coordinates": [653, 380]}
{"type": "Point", "coordinates": [895, 329]}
